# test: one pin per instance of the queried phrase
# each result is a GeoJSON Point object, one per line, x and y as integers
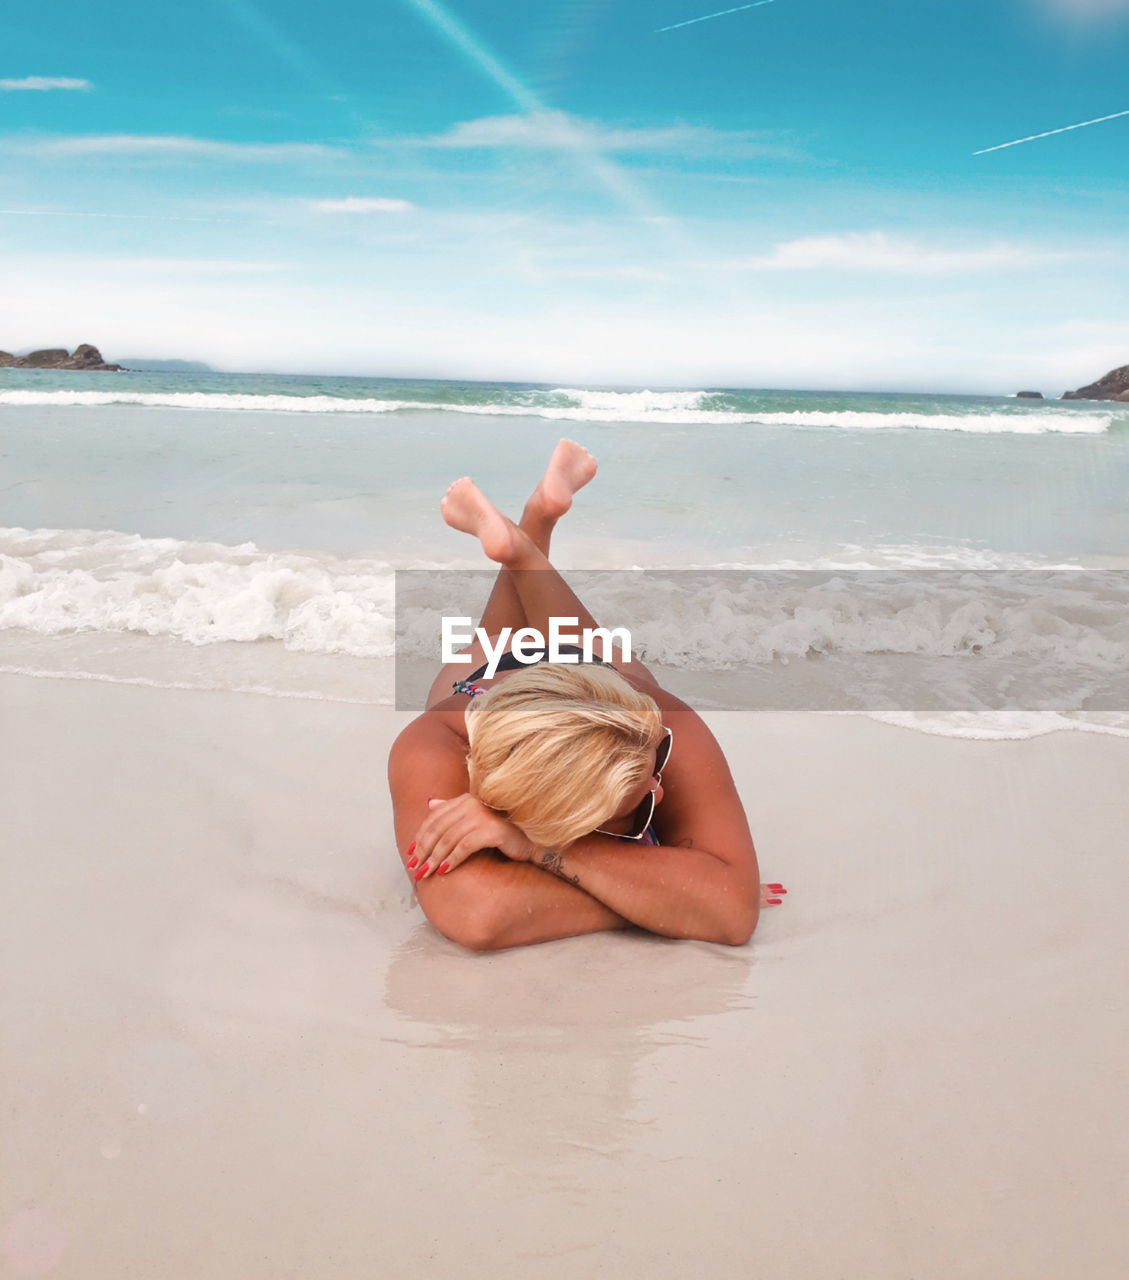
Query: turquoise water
{"type": "Point", "coordinates": [356, 466]}
{"type": "Point", "coordinates": [242, 531]}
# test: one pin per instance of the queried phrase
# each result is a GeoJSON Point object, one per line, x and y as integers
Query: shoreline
{"type": "Point", "coordinates": [264, 670]}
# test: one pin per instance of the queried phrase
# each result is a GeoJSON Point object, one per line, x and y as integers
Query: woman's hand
{"type": "Point", "coordinates": [454, 829]}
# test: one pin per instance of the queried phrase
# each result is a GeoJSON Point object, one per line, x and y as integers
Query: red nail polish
{"type": "Point", "coordinates": [445, 867]}
{"type": "Point", "coordinates": [412, 862]}
{"type": "Point", "coordinates": [775, 902]}
{"type": "Point", "coordinates": [421, 872]}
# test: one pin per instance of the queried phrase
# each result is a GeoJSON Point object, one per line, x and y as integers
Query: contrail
{"type": "Point", "coordinates": [756, 5]}
{"type": "Point", "coordinates": [1051, 132]}
{"type": "Point", "coordinates": [475, 50]}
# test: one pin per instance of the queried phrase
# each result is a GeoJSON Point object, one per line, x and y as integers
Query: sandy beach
{"type": "Point", "coordinates": [233, 1047]}
{"type": "Point", "coordinates": [830, 302]}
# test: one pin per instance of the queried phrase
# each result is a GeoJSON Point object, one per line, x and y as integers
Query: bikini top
{"type": "Point", "coordinates": [511, 662]}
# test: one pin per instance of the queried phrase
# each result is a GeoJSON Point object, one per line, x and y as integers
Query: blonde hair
{"type": "Point", "coordinates": [557, 748]}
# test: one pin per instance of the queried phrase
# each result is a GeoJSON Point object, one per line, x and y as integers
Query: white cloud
{"type": "Point", "coordinates": [170, 145]}
{"type": "Point", "coordinates": [43, 83]}
{"type": "Point", "coordinates": [558, 131]}
{"type": "Point", "coordinates": [363, 204]}
{"type": "Point", "coordinates": [877, 251]}
{"type": "Point", "coordinates": [998, 340]}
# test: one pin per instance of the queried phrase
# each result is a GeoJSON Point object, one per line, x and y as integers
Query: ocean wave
{"type": "Point", "coordinates": [850, 557]}
{"type": "Point", "coordinates": [54, 582]}
{"type": "Point", "coordinates": [1066, 422]}
{"type": "Point", "coordinates": [211, 400]}
{"type": "Point", "coordinates": [720, 621]}
{"type": "Point", "coordinates": [633, 402]}
{"type": "Point", "coordinates": [710, 407]}
{"type": "Point", "coordinates": [671, 408]}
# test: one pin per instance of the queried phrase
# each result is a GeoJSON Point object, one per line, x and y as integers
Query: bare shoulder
{"type": "Point", "coordinates": [436, 733]}
{"type": "Point", "coordinates": [697, 755]}
{"type": "Point", "coordinates": [638, 676]}
{"type": "Point", "coordinates": [427, 759]}
{"type": "Point", "coordinates": [701, 807]}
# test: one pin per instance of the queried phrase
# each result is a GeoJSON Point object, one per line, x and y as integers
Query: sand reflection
{"type": "Point", "coordinates": [552, 1036]}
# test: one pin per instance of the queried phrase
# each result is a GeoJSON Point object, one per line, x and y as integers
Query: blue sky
{"type": "Point", "coordinates": [781, 196]}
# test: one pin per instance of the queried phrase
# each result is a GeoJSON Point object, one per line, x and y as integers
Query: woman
{"type": "Point", "coordinates": [551, 801]}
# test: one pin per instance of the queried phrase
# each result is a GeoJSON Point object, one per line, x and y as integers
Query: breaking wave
{"type": "Point", "coordinates": [674, 408]}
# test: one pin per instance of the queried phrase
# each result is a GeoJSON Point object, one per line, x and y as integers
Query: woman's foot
{"type": "Point", "coordinates": [570, 468]}
{"type": "Point", "coordinates": [466, 508]}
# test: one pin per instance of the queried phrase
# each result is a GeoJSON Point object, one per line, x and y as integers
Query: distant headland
{"type": "Point", "coordinates": [1114, 386]}
{"type": "Point", "coordinates": [142, 364]}
{"type": "Point", "coordinates": [89, 359]}
{"type": "Point", "coordinates": [84, 357]}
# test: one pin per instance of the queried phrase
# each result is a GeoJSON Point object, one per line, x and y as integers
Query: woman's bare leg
{"type": "Point", "coordinates": [570, 468]}
{"type": "Point", "coordinates": [538, 588]}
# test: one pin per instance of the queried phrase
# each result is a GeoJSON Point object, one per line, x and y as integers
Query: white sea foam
{"type": "Point", "coordinates": [205, 400]}
{"type": "Point", "coordinates": [625, 403]}
{"type": "Point", "coordinates": [1027, 424]}
{"type": "Point", "coordinates": [850, 557]}
{"type": "Point", "coordinates": [673, 408]}
{"type": "Point", "coordinates": [186, 686]}
{"type": "Point", "coordinates": [720, 621]}
{"type": "Point", "coordinates": [700, 407]}
{"type": "Point", "coordinates": [58, 581]}
{"type": "Point", "coordinates": [1004, 726]}
{"type": "Point", "coordinates": [745, 638]}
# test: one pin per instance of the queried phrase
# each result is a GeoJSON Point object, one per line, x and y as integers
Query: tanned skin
{"type": "Point", "coordinates": [482, 882]}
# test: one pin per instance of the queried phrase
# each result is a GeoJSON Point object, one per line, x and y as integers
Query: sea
{"type": "Point", "coordinates": [773, 548]}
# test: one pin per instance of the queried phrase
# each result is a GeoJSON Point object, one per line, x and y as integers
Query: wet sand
{"type": "Point", "coordinates": [233, 1047]}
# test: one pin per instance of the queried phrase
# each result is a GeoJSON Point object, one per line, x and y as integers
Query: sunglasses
{"type": "Point", "coordinates": [646, 810]}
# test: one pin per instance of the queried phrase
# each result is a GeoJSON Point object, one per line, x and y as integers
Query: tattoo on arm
{"type": "Point", "coordinates": [552, 862]}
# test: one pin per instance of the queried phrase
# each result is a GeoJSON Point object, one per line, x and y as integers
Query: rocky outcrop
{"type": "Point", "coordinates": [1114, 386]}
{"type": "Point", "coordinates": [84, 357]}
{"type": "Point", "coordinates": [1029, 395]}
{"type": "Point", "coordinates": [50, 358]}
{"type": "Point", "coordinates": [88, 357]}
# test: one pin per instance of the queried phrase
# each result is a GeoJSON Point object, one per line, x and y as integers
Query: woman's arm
{"type": "Point", "coordinates": [679, 892]}
{"type": "Point", "coordinates": [488, 902]}
{"type": "Point", "coordinates": [701, 882]}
